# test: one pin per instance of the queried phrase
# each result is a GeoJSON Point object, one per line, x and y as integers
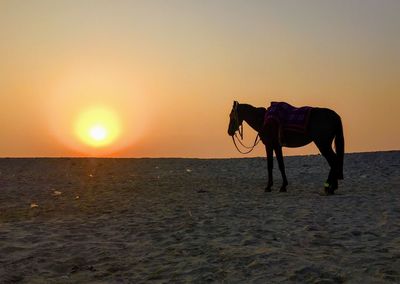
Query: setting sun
{"type": "Point", "coordinates": [98, 132]}
{"type": "Point", "coordinates": [98, 127]}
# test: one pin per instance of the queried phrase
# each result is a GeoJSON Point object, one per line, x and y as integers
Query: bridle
{"type": "Point", "coordinates": [240, 129]}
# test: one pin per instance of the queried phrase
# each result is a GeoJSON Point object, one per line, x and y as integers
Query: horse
{"type": "Point", "coordinates": [322, 127]}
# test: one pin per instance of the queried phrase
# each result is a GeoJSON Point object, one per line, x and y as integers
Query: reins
{"type": "Point", "coordinates": [256, 141]}
{"type": "Point", "coordinates": [240, 129]}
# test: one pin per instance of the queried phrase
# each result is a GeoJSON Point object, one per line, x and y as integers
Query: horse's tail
{"type": "Point", "coordinates": [339, 146]}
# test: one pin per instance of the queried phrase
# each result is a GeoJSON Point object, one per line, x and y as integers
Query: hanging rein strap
{"type": "Point", "coordinates": [256, 141]}
{"type": "Point", "coordinates": [240, 130]}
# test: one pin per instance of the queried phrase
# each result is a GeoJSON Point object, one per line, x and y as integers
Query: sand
{"type": "Point", "coordinates": [192, 220]}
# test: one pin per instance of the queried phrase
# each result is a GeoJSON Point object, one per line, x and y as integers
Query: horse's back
{"type": "Point", "coordinates": [325, 114]}
{"type": "Point", "coordinates": [323, 123]}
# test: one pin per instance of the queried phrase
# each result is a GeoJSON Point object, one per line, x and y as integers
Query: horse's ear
{"type": "Point", "coordinates": [235, 103]}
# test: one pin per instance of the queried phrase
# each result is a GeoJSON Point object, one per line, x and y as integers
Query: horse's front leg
{"type": "Point", "coordinates": [279, 157]}
{"type": "Point", "coordinates": [270, 161]}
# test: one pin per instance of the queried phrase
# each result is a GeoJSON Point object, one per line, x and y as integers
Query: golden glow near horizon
{"type": "Point", "coordinates": [98, 127]}
{"type": "Point", "coordinates": [96, 110]}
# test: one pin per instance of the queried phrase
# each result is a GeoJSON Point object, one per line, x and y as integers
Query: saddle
{"type": "Point", "coordinates": [289, 118]}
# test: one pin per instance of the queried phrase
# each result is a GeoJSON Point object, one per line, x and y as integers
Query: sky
{"type": "Point", "coordinates": [162, 75]}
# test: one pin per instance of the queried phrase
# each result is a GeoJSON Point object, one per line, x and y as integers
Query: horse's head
{"type": "Point", "coordinates": [234, 120]}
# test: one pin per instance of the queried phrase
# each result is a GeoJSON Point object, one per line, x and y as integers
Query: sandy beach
{"type": "Point", "coordinates": [197, 220]}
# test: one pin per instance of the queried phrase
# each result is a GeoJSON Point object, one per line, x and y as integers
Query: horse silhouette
{"type": "Point", "coordinates": [282, 125]}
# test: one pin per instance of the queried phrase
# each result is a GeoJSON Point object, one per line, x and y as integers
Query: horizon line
{"type": "Point", "coordinates": [172, 157]}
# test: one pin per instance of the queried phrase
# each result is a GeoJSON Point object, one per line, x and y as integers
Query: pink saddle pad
{"type": "Point", "coordinates": [288, 116]}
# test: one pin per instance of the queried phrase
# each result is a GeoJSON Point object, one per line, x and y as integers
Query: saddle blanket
{"type": "Point", "coordinates": [288, 116]}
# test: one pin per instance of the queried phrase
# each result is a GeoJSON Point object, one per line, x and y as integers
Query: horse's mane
{"type": "Point", "coordinates": [257, 115]}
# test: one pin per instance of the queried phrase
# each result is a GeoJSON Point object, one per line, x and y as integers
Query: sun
{"type": "Point", "coordinates": [97, 127]}
{"type": "Point", "coordinates": [98, 133]}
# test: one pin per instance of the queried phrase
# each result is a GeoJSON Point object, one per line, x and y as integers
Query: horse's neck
{"type": "Point", "coordinates": [253, 116]}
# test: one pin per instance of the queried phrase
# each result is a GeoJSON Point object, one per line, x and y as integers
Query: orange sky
{"type": "Point", "coordinates": [170, 70]}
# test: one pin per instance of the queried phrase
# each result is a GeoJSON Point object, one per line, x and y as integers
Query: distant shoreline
{"type": "Point", "coordinates": [188, 158]}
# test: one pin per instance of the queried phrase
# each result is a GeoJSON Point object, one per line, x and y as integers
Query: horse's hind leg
{"type": "Point", "coordinates": [327, 151]}
{"type": "Point", "coordinates": [270, 161]}
{"type": "Point", "coordinates": [279, 157]}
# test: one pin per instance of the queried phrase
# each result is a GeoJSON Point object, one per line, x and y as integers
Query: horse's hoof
{"type": "Point", "coordinates": [267, 189]}
{"type": "Point", "coordinates": [329, 189]}
{"type": "Point", "coordinates": [283, 189]}
{"type": "Point", "coordinates": [334, 185]}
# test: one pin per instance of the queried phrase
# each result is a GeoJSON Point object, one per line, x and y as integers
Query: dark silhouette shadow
{"type": "Point", "coordinates": [282, 125]}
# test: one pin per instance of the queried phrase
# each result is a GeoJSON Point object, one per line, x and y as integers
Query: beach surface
{"type": "Point", "coordinates": [196, 220]}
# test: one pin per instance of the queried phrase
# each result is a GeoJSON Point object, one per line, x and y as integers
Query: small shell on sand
{"type": "Point", "coordinates": [56, 193]}
{"type": "Point", "coordinates": [34, 205]}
